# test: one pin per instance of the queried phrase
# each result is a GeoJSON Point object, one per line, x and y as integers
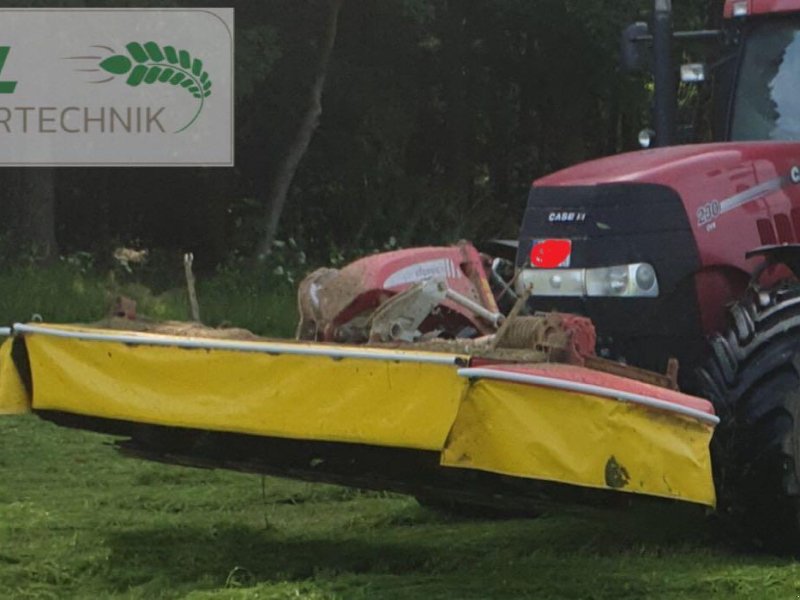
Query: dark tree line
{"type": "Point", "coordinates": [425, 122]}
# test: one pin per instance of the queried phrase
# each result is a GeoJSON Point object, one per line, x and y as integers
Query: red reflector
{"type": "Point", "coordinates": [548, 254]}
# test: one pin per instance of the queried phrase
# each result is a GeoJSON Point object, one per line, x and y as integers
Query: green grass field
{"type": "Point", "coordinates": [77, 520]}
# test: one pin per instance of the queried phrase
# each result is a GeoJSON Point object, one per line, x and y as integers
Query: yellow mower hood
{"type": "Point", "coordinates": [545, 428]}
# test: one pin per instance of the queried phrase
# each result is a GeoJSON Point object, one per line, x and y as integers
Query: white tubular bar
{"type": "Point", "coordinates": [5, 331]}
{"type": "Point", "coordinates": [299, 349]}
{"type": "Point", "coordinates": [585, 388]}
{"type": "Point", "coordinates": [495, 319]}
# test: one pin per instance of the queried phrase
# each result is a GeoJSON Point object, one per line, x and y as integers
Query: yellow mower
{"type": "Point", "coordinates": [405, 376]}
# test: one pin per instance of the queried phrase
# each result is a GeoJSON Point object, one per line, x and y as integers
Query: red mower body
{"type": "Point", "coordinates": [336, 304]}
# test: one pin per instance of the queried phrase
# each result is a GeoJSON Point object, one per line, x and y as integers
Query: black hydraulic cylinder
{"type": "Point", "coordinates": [665, 94]}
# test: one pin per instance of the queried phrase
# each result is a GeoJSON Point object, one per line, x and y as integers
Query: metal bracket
{"type": "Point", "coordinates": [398, 319]}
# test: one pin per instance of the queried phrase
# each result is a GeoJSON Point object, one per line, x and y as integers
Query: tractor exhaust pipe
{"type": "Point", "coordinates": [665, 96]}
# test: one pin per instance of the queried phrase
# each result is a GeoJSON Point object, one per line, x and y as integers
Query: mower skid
{"type": "Point", "coordinates": [552, 423]}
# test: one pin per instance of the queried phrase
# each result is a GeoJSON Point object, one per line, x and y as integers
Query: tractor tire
{"type": "Point", "coordinates": [753, 379]}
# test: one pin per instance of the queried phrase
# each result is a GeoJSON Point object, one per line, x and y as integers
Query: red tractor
{"type": "Point", "coordinates": [693, 251]}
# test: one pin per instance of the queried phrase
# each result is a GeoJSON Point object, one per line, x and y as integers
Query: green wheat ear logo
{"type": "Point", "coordinates": [150, 63]}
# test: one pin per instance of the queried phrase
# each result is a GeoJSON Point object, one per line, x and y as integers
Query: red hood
{"type": "Point", "coordinates": [737, 196]}
{"type": "Point", "coordinates": [668, 166]}
{"type": "Point", "coordinates": [763, 7]}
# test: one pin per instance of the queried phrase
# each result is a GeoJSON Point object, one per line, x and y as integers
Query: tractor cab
{"type": "Point", "coordinates": [763, 103]}
{"type": "Point", "coordinates": [755, 74]}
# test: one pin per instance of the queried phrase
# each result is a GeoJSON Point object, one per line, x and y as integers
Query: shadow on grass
{"type": "Point", "coordinates": [187, 555]}
{"type": "Point", "coordinates": [572, 554]}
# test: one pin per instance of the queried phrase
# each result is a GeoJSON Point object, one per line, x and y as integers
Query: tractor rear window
{"type": "Point", "coordinates": [767, 103]}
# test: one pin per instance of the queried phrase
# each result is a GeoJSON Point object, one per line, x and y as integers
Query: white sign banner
{"type": "Point", "coordinates": [116, 87]}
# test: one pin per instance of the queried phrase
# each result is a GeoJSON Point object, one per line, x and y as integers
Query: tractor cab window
{"type": "Point", "coordinates": [767, 103]}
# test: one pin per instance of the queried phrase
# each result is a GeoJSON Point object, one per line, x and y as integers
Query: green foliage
{"type": "Point", "coordinates": [436, 117]}
{"type": "Point", "coordinates": [79, 521]}
{"type": "Point", "coordinates": [259, 300]}
{"type": "Point", "coordinates": [57, 293]}
{"type": "Point", "coordinates": [257, 50]}
{"type": "Point", "coordinates": [73, 291]}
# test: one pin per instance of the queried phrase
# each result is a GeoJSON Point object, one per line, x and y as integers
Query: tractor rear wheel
{"type": "Point", "coordinates": [753, 379]}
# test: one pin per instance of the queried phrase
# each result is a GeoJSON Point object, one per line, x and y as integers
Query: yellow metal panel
{"type": "Point", "coordinates": [14, 398]}
{"type": "Point", "coordinates": [382, 402]}
{"type": "Point", "coordinates": [539, 433]}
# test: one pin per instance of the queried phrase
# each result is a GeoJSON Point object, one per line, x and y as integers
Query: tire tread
{"type": "Point", "coordinates": [752, 376]}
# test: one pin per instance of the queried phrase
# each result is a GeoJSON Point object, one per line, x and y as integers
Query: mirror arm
{"type": "Point", "coordinates": [702, 34]}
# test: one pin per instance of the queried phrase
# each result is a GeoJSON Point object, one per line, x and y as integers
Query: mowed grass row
{"type": "Point", "coordinates": [77, 520]}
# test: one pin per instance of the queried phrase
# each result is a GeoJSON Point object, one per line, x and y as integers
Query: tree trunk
{"type": "Point", "coordinates": [36, 220]}
{"type": "Point", "coordinates": [458, 118]}
{"type": "Point", "coordinates": [279, 188]}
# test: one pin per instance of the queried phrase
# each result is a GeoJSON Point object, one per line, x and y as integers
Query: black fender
{"type": "Point", "coordinates": [777, 254]}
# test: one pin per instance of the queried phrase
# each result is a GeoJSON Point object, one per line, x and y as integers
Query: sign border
{"type": "Point", "coordinates": [228, 163]}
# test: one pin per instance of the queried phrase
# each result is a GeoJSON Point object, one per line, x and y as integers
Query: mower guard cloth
{"type": "Point", "coordinates": [319, 392]}
{"type": "Point", "coordinates": [596, 436]}
{"type": "Point", "coordinates": [14, 398]}
{"type": "Point", "coordinates": [555, 434]}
